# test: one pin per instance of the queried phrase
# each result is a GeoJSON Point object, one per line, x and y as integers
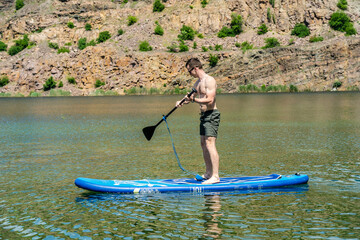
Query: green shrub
{"type": "Point", "coordinates": [82, 43]}
{"type": "Point", "coordinates": [49, 84]}
{"type": "Point", "coordinates": [300, 30]}
{"type": "Point", "coordinates": [99, 83]}
{"type": "Point", "coordinates": [61, 84]}
{"type": "Point", "coordinates": [4, 80]}
{"type": "Point", "coordinates": [158, 6]}
{"type": "Point", "coordinates": [91, 43]}
{"type": "Point", "coordinates": [53, 45]}
{"type": "Point", "coordinates": [271, 43]}
{"type": "Point", "coordinates": [200, 35]}
{"type": "Point", "coordinates": [350, 30]}
{"type": "Point", "coordinates": [293, 88]}
{"type": "Point", "coordinates": [103, 36]}
{"type": "Point", "coordinates": [342, 4]}
{"type": "Point", "coordinates": [19, 4]}
{"type": "Point", "coordinates": [238, 45]}
{"type": "Point", "coordinates": [316, 39]}
{"type": "Point", "coordinates": [59, 93]}
{"type": "Point", "coordinates": [246, 46]}
{"type": "Point", "coordinates": [186, 33]}
{"type": "Point", "coordinates": [205, 49]}
{"type": "Point", "coordinates": [194, 45]}
{"type": "Point", "coordinates": [70, 25]}
{"type": "Point", "coordinates": [34, 94]}
{"type": "Point", "coordinates": [145, 46]}
{"type": "Point", "coordinates": [132, 20]}
{"type": "Point", "coordinates": [213, 60]}
{"type": "Point", "coordinates": [71, 80]}
{"type": "Point", "coordinates": [183, 47]}
{"type": "Point", "coordinates": [120, 32]}
{"type": "Point", "coordinates": [272, 2]}
{"type": "Point", "coordinates": [204, 3]}
{"type": "Point", "coordinates": [218, 47]}
{"type": "Point", "coordinates": [20, 45]}
{"type": "Point", "coordinates": [337, 84]}
{"type": "Point", "coordinates": [291, 41]}
{"type": "Point", "coordinates": [5, 94]}
{"type": "Point", "coordinates": [235, 27]}
{"type": "Point", "coordinates": [159, 30]}
{"type": "Point", "coordinates": [341, 22]}
{"type": "Point", "coordinates": [262, 29]}
{"type": "Point", "coordinates": [268, 15]}
{"type": "Point", "coordinates": [88, 27]}
{"type": "Point", "coordinates": [3, 46]}
{"type": "Point", "coordinates": [63, 50]}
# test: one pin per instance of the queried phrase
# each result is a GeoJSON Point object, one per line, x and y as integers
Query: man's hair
{"type": "Point", "coordinates": [193, 62]}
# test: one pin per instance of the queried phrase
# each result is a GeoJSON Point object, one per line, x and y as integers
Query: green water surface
{"type": "Point", "coordinates": [46, 143]}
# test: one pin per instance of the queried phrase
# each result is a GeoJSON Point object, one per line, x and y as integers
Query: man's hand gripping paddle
{"type": "Point", "coordinates": [149, 131]}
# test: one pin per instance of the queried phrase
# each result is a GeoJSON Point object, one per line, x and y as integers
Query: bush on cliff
{"type": "Point", "coordinates": [213, 60]}
{"type": "Point", "coordinates": [53, 45]}
{"type": "Point", "coordinates": [70, 25]}
{"type": "Point", "coordinates": [271, 43]}
{"type": "Point", "coordinates": [4, 81]}
{"type": "Point", "coordinates": [339, 21]}
{"type": "Point", "coordinates": [235, 27]}
{"type": "Point", "coordinates": [63, 50]}
{"type": "Point", "coordinates": [103, 36]}
{"type": "Point", "coordinates": [132, 20]}
{"type": "Point", "coordinates": [88, 27]}
{"type": "Point", "coordinates": [145, 46]}
{"type": "Point", "coordinates": [158, 29]}
{"type": "Point", "coordinates": [186, 33]}
{"type": "Point", "coordinates": [342, 4]}
{"type": "Point", "coordinates": [19, 4]}
{"type": "Point", "coordinates": [262, 29]}
{"type": "Point", "coordinates": [49, 84]}
{"type": "Point", "coordinates": [158, 6]}
{"type": "Point", "coordinates": [99, 83]}
{"type": "Point", "coordinates": [82, 43]}
{"type": "Point", "coordinates": [316, 39]}
{"type": "Point", "coordinates": [300, 30]}
{"type": "Point", "coordinates": [19, 45]}
{"type": "Point", "coordinates": [3, 46]}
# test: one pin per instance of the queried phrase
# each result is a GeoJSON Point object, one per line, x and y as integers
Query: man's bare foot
{"type": "Point", "coordinates": [206, 176]}
{"type": "Point", "coordinates": [212, 180]}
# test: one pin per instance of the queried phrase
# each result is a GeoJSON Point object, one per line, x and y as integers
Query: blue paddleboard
{"type": "Point", "coordinates": [189, 184]}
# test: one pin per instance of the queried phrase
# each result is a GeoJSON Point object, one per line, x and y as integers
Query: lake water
{"type": "Point", "coordinates": [45, 143]}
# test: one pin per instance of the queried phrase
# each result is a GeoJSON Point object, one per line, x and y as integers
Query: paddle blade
{"type": "Point", "coordinates": [148, 132]}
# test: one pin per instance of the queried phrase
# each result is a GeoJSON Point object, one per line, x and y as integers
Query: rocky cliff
{"type": "Point", "coordinates": [121, 66]}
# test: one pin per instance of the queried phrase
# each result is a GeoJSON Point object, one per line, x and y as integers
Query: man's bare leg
{"type": "Point", "coordinates": [206, 155]}
{"type": "Point", "coordinates": [214, 160]}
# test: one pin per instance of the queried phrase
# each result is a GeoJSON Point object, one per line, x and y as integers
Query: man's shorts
{"type": "Point", "coordinates": [209, 123]}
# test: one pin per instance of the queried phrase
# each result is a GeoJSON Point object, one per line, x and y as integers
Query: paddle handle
{"type": "Point", "coordinates": [182, 101]}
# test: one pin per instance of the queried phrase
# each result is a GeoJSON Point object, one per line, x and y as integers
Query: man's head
{"type": "Point", "coordinates": [193, 63]}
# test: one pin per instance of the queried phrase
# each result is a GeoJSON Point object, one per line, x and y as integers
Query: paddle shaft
{"type": "Point", "coordinates": [149, 131]}
{"type": "Point", "coordinates": [182, 101]}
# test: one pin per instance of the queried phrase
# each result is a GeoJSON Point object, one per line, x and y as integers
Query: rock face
{"type": "Point", "coordinates": [119, 63]}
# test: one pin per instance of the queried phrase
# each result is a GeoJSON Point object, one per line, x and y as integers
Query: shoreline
{"type": "Point", "coordinates": [18, 95]}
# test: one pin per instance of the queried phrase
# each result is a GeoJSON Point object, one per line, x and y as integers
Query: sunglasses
{"type": "Point", "coordinates": [191, 69]}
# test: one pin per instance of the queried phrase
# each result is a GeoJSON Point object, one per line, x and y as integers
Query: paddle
{"type": "Point", "coordinates": [149, 131]}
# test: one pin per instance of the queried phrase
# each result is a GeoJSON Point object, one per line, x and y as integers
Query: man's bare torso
{"type": "Point", "coordinates": [206, 88]}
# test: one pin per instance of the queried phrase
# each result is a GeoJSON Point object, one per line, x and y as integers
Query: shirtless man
{"type": "Point", "coordinates": [209, 120]}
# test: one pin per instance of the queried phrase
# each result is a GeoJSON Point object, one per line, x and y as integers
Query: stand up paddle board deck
{"type": "Point", "coordinates": [189, 184]}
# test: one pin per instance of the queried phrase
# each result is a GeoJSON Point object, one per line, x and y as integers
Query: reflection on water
{"type": "Point", "coordinates": [46, 143]}
{"type": "Point", "coordinates": [212, 213]}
